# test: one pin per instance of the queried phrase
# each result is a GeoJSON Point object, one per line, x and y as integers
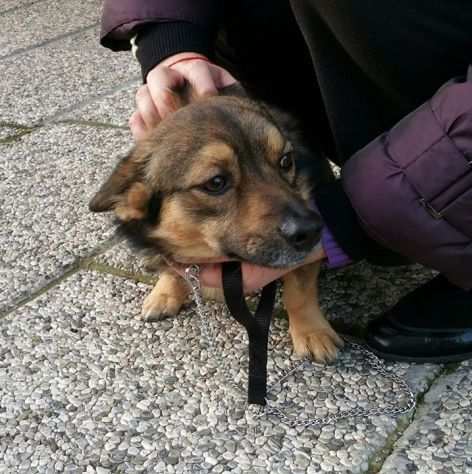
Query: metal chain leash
{"type": "Point", "coordinates": [205, 314]}
{"type": "Point", "coordinates": [376, 364]}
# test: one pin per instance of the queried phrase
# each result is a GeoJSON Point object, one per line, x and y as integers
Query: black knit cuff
{"type": "Point", "coordinates": [341, 219]}
{"type": "Point", "coordinates": [158, 41]}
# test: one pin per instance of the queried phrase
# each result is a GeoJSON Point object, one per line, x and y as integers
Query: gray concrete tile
{"type": "Point", "coordinates": [43, 21]}
{"type": "Point", "coordinates": [440, 439]}
{"type": "Point", "coordinates": [114, 109]}
{"type": "Point", "coordinates": [46, 180]}
{"type": "Point", "coordinates": [122, 258]}
{"type": "Point", "coordinates": [44, 81]}
{"type": "Point", "coordinates": [8, 132]}
{"type": "Point", "coordinates": [82, 382]}
{"type": "Point", "coordinates": [7, 5]}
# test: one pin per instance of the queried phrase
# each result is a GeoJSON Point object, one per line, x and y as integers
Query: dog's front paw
{"type": "Point", "coordinates": [160, 306]}
{"type": "Point", "coordinates": [166, 298]}
{"type": "Point", "coordinates": [320, 343]}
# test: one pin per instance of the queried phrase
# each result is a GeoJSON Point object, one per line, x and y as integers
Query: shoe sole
{"type": "Point", "coordinates": [422, 360]}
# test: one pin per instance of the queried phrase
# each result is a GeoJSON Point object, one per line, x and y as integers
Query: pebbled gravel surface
{"type": "Point", "coordinates": [65, 73]}
{"type": "Point", "coordinates": [84, 384]}
{"type": "Point", "coordinates": [46, 181]}
{"type": "Point", "coordinates": [122, 258]}
{"type": "Point", "coordinates": [114, 109]}
{"type": "Point", "coordinates": [440, 438]}
{"type": "Point", "coordinates": [43, 21]}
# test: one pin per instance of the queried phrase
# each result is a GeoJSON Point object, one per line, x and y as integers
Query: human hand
{"type": "Point", "coordinates": [160, 95]}
{"type": "Point", "coordinates": [254, 276]}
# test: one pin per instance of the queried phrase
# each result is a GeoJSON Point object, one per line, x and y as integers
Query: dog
{"type": "Point", "coordinates": [226, 177]}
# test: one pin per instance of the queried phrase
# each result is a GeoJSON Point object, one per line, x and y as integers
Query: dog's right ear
{"type": "Point", "coordinates": [234, 90]}
{"type": "Point", "coordinates": [124, 191]}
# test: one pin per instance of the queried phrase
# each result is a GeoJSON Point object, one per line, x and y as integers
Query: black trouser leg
{"type": "Point", "coordinates": [358, 68]}
{"type": "Point", "coordinates": [377, 60]}
{"type": "Point", "coordinates": [261, 44]}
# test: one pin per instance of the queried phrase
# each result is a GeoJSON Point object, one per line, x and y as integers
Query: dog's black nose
{"type": "Point", "coordinates": [301, 232]}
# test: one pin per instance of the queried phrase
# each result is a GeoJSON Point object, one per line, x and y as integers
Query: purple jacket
{"type": "Point", "coordinates": [411, 188]}
{"type": "Point", "coordinates": [121, 18]}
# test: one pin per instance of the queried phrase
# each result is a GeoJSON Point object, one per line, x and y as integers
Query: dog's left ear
{"type": "Point", "coordinates": [124, 191]}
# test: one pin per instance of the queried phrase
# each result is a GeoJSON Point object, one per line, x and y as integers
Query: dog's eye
{"type": "Point", "coordinates": [286, 162]}
{"type": "Point", "coordinates": [216, 185]}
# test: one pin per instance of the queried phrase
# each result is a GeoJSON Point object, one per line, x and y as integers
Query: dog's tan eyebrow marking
{"type": "Point", "coordinates": [209, 159]}
{"type": "Point", "coordinates": [275, 140]}
{"type": "Point", "coordinates": [218, 150]}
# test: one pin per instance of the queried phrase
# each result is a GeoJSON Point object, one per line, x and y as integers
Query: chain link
{"type": "Point", "coordinates": [376, 364]}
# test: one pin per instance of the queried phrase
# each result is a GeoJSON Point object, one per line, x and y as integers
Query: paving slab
{"type": "Point", "coordinates": [84, 384]}
{"type": "Point", "coordinates": [7, 132]}
{"type": "Point", "coordinates": [439, 440]}
{"type": "Point", "coordinates": [123, 259]}
{"type": "Point", "coordinates": [39, 22]}
{"type": "Point", "coordinates": [114, 109]}
{"type": "Point", "coordinates": [46, 180]}
{"type": "Point", "coordinates": [42, 82]}
{"type": "Point", "coordinates": [8, 5]}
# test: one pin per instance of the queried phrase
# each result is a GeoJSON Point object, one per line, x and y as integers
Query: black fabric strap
{"type": "Point", "coordinates": [257, 327]}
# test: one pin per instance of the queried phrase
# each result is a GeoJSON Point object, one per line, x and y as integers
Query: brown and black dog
{"type": "Point", "coordinates": [221, 177]}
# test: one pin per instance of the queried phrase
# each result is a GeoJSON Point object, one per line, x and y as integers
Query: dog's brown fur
{"type": "Point", "coordinates": [158, 194]}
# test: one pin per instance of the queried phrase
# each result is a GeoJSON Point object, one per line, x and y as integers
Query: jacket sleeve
{"type": "Point", "coordinates": [163, 27]}
{"type": "Point", "coordinates": [411, 188]}
{"type": "Point", "coordinates": [121, 18]}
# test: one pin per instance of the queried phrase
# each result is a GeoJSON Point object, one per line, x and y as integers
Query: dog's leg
{"type": "Point", "coordinates": [311, 332]}
{"type": "Point", "coordinates": [166, 298]}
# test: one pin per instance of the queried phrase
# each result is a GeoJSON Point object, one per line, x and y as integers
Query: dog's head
{"type": "Point", "coordinates": [217, 178]}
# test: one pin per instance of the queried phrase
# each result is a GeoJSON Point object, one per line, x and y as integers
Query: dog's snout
{"type": "Point", "coordinates": [301, 232]}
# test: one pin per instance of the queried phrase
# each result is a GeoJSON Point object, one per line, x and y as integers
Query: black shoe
{"type": "Point", "coordinates": [431, 324]}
